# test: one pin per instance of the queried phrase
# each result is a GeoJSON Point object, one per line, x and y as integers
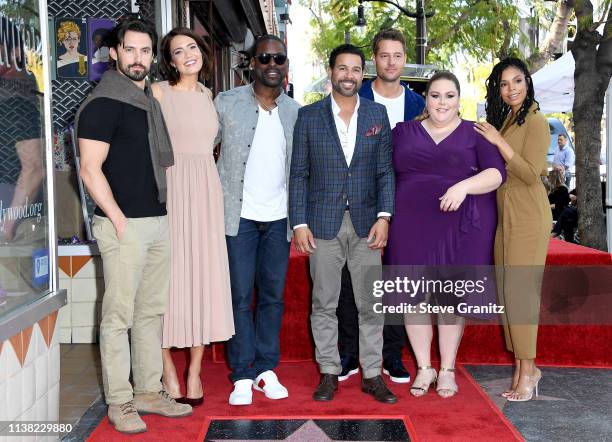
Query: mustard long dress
{"type": "Point", "coordinates": [523, 231]}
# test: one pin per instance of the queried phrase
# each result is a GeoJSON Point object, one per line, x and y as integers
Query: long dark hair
{"type": "Point", "coordinates": [497, 110]}
{"type": "Point", "coordinates": [170, 73]}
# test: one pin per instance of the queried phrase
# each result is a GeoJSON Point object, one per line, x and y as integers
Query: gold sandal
{"type": "Point", "coordinates": [452, 388]}
{"type": "Point", "coordinates": [420, 388]}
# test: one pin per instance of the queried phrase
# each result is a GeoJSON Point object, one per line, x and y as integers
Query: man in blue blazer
{"type": "Point", "coordinates": [341, 197]}
{"type": "Point", "coordinates": [402, 104]}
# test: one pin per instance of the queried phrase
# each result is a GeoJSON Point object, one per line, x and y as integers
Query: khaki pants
{"type": "Point", "coordinates": [326, 265]}
{"type": "Point", "coordinates": [136, 279]}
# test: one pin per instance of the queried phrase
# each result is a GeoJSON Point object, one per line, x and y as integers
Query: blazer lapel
{"type": "Point", "coordinates": [330, 125]}
{"type": "Point", "coordinates": [362, 127]}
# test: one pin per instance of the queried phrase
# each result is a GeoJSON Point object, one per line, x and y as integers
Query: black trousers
{"type": "Point", "coordinates": [394, 336]}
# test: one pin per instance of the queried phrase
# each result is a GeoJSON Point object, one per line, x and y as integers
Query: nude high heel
{"type": "Point", "coordinates": [527, 395]}
{"type": "Point", "coordinates": [446, 385]}
{"type": "Point", "coordinates": [419, 387]}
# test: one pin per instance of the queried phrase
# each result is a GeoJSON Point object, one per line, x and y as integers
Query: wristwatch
{"type": "Point", "coordinates": [386, 218]}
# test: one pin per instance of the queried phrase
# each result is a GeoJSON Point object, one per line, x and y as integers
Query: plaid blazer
{"type": "Point", "coordinates": [320, 182]}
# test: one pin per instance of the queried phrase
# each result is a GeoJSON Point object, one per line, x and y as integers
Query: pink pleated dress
{"type": "Point", "coordinates": [200, 304]}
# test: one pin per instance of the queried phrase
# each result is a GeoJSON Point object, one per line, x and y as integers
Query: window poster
{"type": "Point", "coordinates": [71, 48]}
{"type": "Point", "coordinates": [98, 54]}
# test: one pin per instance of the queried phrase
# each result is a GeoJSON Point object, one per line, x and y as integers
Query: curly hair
{"type": "Point", "coordinates": [497, 110]}
{"type": "Point", "coordinates": [66, 28]}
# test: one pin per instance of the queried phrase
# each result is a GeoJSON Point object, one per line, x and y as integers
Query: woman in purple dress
{"type": "Point", "coordinates": [445, 214]}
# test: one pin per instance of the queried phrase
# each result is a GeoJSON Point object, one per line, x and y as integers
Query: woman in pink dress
{"type": "Point", "coordinates": [200, 304]}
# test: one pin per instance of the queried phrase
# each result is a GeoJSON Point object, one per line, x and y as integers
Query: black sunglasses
{"type": "Point", "coordinates": [264, 58]}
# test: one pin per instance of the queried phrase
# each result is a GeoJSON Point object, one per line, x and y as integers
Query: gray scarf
{"type": "Point", "coordinates": [119, 87]}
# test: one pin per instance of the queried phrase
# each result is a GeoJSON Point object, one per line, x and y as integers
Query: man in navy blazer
{"type": "Point", "coordinates": [341, 197]}
{"type": "Point", "coordinates": [402, 104]}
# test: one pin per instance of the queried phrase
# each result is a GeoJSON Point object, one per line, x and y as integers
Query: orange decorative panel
{"type": "Point", "coordinates": [47, 327]}
{"type": "Point", "coordinates": [26, 336]}
{"type": "Point", "coordinates": [64, 263]}
{"type": "Point", "coordinates": [15, 341]}
{"type": "Point", "coordinates": [52, 320]}
{"type": "Point", "coordinates": [78, 262]}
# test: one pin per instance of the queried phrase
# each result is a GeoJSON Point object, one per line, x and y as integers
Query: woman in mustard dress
{"type": "Point", "coordinates": [521, 133]}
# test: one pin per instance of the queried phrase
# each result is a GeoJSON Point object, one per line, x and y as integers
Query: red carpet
{"type": "Point", "coordinates": [565, 253]}
{"type": "Point", "coordinates": [570, 345]}
{"type": "Point", "coordinates": [468, 416]}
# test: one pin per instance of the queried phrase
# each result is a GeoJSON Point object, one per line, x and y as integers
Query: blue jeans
{"type": "Point", "coordinates": [258, 257]}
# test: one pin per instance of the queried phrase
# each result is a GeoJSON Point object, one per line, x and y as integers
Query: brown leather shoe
{"type": "Point", "coordinates": [376, 387]}
{"type": "Point", "coordinates": [327, 387]}
{"type": "Point", "coordinates": [160, 403]}
{"type": "Point", "coordinates": [125, 418]}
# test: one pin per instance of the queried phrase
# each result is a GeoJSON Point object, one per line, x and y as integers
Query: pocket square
{"type": "Point", "coordinates": [374, 130]}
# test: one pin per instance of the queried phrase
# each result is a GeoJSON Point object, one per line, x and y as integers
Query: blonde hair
{"type": "Point", "coordinates": [556, 178]}
{"type": "Point", "coordinates": [423, 115]}
{"type": "Point", "coordinates": [66, 28]}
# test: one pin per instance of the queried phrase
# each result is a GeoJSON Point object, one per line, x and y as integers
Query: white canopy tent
{"type": "Point", "coordinates": [554, 90]}
{"type": "Point", "coordinates": [554, 85]}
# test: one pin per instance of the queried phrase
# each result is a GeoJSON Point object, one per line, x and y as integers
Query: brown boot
{"type": "Point", "coordinates": [160, 403]}
{"type": "Point", "coordinates": [125, 418]}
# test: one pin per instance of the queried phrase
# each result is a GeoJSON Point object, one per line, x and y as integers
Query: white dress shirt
{"type": "Point", "coordinates": [346, 134]}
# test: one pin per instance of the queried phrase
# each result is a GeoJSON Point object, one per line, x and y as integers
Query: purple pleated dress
{"type": "Point", "coordinates": [422, 234]}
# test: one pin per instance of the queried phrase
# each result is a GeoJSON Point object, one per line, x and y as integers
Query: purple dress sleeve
{"type": "Point", "coordinates": [489, 157]}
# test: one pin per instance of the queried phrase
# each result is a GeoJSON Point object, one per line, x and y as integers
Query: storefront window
{"type": "Point", "coordinates": [25, 267]}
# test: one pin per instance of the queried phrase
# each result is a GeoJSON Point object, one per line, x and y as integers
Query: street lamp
{"type": "Point", "coordinates": [420, 15]}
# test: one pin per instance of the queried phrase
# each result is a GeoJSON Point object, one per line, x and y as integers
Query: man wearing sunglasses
{"type": "Point", "coordinates": [256, 132]}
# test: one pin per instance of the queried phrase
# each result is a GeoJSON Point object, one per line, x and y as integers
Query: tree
{"type": "Point", "coordinates": [591, 79]}
{"type": "Point", "coordinates": [469, 26]}
{"type": "Point", "coordinates": [554, 39]}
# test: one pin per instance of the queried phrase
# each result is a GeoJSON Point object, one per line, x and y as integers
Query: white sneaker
{"type": "Point", "coordinates": [268, 383]}
{"type": "Point", "coordinates": [242, 393]}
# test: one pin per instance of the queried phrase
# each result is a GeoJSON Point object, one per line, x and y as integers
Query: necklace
{"type": "Point", "coordinates": [269, 109]}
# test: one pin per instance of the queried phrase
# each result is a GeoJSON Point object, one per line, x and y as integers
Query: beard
{"type": "Point", "coordinates": [131, 74]}
{"type": "Point", "coordinates": [389, 79]}
{"type": "Point", "coordinates": [336, 86]}
{"type": "Point", "coordinates": [262, 78]}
